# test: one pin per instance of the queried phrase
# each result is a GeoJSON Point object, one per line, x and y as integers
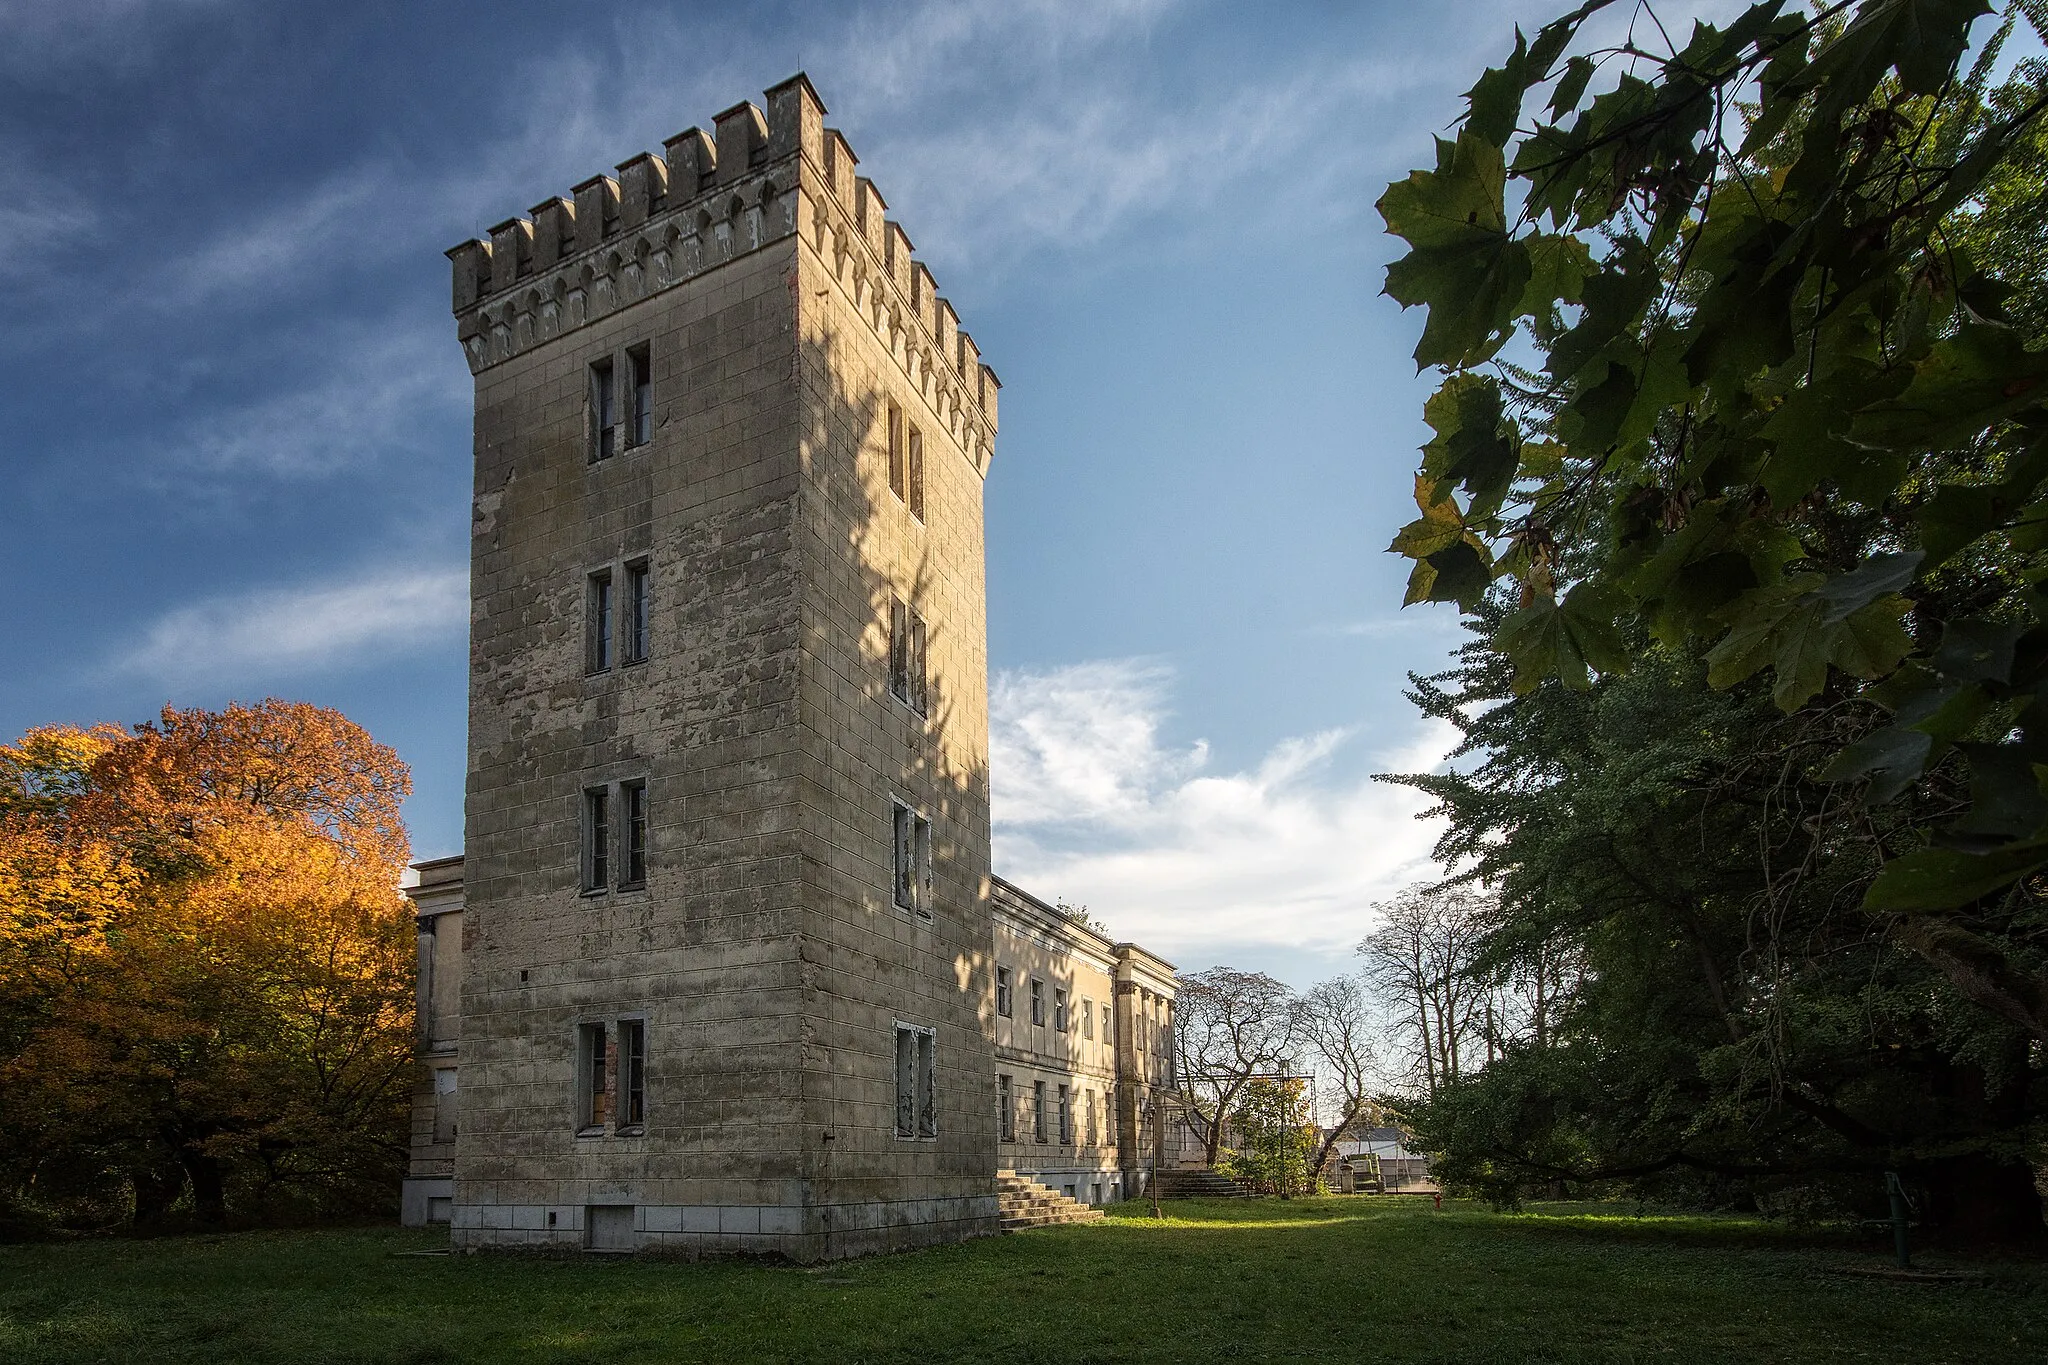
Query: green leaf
{"type": "Point", "coordinates": [1570, 86]}
{"type": "Point", "coordinates": [1945, 878]}
{"type": "Point", "coordinates": [1563, 639]}
{"type": "Point", "coordinates": [1981, 375]}
{"type": "Point", "coordinates": [1800, 625]}
{"type": "Point", "coordinates": [1462, 574]}
{"type": "Point", "coordinates": [1893, 758]}
{"type": "Point", "coordinates": [1872, 640]}
{"type": "Point", "coordinates": [1463, 265]}
{"type": "Point", "coordinates": [1494, 104]}
{"type": "Point", "coordinates": [1439, 527]}
{"type": "Point", "coordinates": [1474, 446]}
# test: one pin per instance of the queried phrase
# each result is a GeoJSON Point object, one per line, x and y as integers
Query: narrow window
{"type": "Point", "coordinates": [1059, 1010]}
{"type": "Point", "coordinates": [1066, 1116]}
{"type": "Point", "coordinates": [906, 857]}
{"type": "Point", "coordinates": [1003, 985]}
{"type": "Point", "coordinates": [1038, 1111]}
{"type": "Point", "coordinates": [913, 857]}
{"type": "Point", "coordinates": [604, 411]}
{"type": "Point", "coordinates": [597, 622]}
{"type": "Point", "coordinates": [897, 476]}
{"type": "Point", "coordinates": [899, 649]}
{"type": "Point", "coordinates": [634, 795]}
{"type": "Point", "coordinates": [916, 691]}
{"type": "Point", "coordinates": [917, 473]}
{"type": "Point", "coordinates": [593, 1104]}
{"type": "Point", "coordinates": [1037, 1001]}
{"type": "Point", "coordinates": [906, 1081]}
{"type": "Point", "coordinates": [1006, 1114]}
{"type": "Point", "coordinates": [1087, 1018]}
{"type": "Point", "coordinates": [1107, 1026]}
{"type": "Point", "coordinates": [643, 395]}
{"type": "Point", "coordinates": [446, 1099]}
{"type": "Point", "coordinates": [638, 612]}
{"type": "Point", "coordinates": [632, 1073]}
{"type": "Point", "coordinates": [597, 839]}
{"type": "Point", "coordinates": [1091, 1118]}
{"type": "Point", "coordinates": [927, 1084]}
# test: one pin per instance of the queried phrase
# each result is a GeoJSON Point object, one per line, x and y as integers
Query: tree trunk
{"type": "Point", "coordinates": [209, 1186]}
{"type": "Point", "coordinates": [1979, 1201]}
{"type": "Point", "coordinates": [156, 1189]}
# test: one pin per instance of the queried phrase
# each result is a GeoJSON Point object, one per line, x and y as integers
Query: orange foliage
{"type": "Point", "coordinates": [205, 964]}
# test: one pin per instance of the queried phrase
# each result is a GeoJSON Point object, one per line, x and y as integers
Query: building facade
{"type": "Point", "coordinates": [1079, 1021]}
{"type": "Point", "coordinates": [723, 976]}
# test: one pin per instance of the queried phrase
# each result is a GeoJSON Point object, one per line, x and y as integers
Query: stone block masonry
{"type": "Point", "coordinates": [695, 384]}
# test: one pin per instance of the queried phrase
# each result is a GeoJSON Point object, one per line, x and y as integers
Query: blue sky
{"type": "Point", "coordinates": [236, 459]}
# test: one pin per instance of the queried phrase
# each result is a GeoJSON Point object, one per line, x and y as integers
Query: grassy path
{"type": "Point", "coordinates": [1356, 1280]}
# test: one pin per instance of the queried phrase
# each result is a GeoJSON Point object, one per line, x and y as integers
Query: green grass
{"type": "Point", "coordinates": [1357, 1280]}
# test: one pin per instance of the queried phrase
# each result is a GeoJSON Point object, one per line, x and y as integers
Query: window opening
{"type": "Point", "coordinates": [917, 1111]}
{"type": "Point", "coordinates": [597, 618]}
{"type": "Point", "coordinates": [1066, 1116]}
{"type": "Point", "coordinates": [1038, 1111]}
{"type": "Point", "coordinates": [917, 473]}
{"type": "Point", "coordinates": [643, 395]}
{"type": "Point", "coordinates": [635, 795]}
{"type": "Point", "coordinates": [638, 613]}
{"type": "Point", "coordinates": [1037, 1001]}
{"type": "Point", "coordinates": [1059, 1010]}
{"type": "Point", "coordinates": [1003, 985]}
{"type": "Point", "coordinates": [604, 410]}
{"type": "Point", "coordinates": [1006, 1115]}
{"type": "Point", "coordinates": [632, 1073]}
{"type": "Point", "coordinates": [597, 839]}
{"type": "Point", "coordinates": [593, 1104]}
{"type": "Point", "coordinates": [897, 473]}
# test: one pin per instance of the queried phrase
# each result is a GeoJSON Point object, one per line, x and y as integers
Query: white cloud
{"type": "Point", "coordinates": [1286, 856]}
{"type": "Point", "coordinates": [249, 637]}
{"type": "Point", "coordinates": [370, 402]}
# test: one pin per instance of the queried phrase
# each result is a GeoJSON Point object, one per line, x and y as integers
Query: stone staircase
{"type": "Point", "coordinates": [1199, 1183]}
{"type": "Point", "coordinates": [1028, 1204]}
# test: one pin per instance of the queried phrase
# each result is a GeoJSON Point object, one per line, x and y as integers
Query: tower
{"type": "Point", "coordinates": [726, 981]}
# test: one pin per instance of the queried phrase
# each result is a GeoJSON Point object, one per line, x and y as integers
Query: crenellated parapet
{"type": "Point", "coordinates": [760, 176]}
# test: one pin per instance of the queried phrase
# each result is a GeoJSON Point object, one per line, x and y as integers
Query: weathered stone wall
{"type": "Point", "coordinates": [764, 951]}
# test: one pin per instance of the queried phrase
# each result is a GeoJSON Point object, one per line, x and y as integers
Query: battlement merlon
{"type": "Point", "coordinates": [706, 199]}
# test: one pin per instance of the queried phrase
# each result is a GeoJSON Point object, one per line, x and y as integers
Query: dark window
{"type": "Point", "coordinates": [917, 1106]}
{"type": "Point", "coordinates": [594, 1103]}
{"type": "Point", "coordinates": [604, 411]}
{"type": "Point", "coordinates": [917, 473]}
{"type": "Point", "coordinates": [632, 1073]}
{"type": "Point", "coordinates": [1003, 991]}
{"type": "Point", "coordinates": [1038, 1111]}
{"type": "Point", "coordinates": [913, 858]}
{"type": "Point", "coordinates": [634, 794]}
{"type": "Point", "coordinates": [899, 648]}
{"type": "Point", "coordinates": [908, 680]}
{"type": "Point", "coordinates": [1087, 1018]}
{"type": "Point", "coordinates": [597, 619]}
{"type": "Point", "coordinates": [1037, 1001]}
{"type": "Point", "coordinates": [1006, 1111]}
{"type": "Point", "coordinates": [1066, 1115]}
{"type": "Point", "coordinates": [897, 474]}
{"type": "Point", "coordinates": [638, 611]}
{"type": "Point", "coordinates": [597, 839]}
{"type": "Point", "coordinates": [1059, 1010]}
{"type": "Point", "coordinates": [918, 692]}
{"type": "Point", "coordinates": [643, 396]}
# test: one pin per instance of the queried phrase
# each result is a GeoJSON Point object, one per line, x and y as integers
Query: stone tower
{"type": "Point", "coordinates": [726, 982]}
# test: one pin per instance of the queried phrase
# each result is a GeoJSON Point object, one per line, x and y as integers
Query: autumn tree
{"type": "Point", "coordinates": [205, 965]}
{"type": "Point", "coordinates": [1275, 1140]}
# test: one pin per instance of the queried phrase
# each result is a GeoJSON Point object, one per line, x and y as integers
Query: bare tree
{"type": "Point", "coordinates": [1334, 1019]}
{"type": "Point", "coordinates": [1229, 1026]}
{"type": "Point", "coordinates": [1424, 959]}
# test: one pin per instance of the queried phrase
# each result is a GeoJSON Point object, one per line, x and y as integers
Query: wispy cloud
{"type": "Point", "coordinates": [1287, 854]}
{"type": "Point", "coordinates": [250, 638]}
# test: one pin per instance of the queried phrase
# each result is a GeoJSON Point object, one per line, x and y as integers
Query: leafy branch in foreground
{"type": "Point", "coordinates": [1789, 417]}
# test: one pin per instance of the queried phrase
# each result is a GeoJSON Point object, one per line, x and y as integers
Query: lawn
{"type": "Point", "coordinates": [1352, 1279]}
